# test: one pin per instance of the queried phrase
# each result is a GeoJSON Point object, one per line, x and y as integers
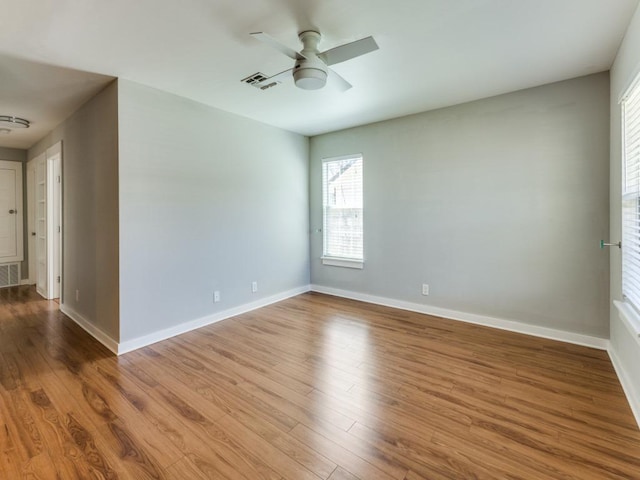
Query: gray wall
{"type": "Point", "coordinates": [90, 209]}
{"type": "Point", "coordinates": [18, 155]}
{"type": "Point", "coordinates": [624, 70]}
{"type": "Point", "coordinates": [498, 205]}
{"type": "Point", "coordinates": [13, 154]}
{"type": "Point", "coordinates": [208, 201]}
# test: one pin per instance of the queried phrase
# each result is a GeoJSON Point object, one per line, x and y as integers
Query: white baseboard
{"type": "Point", "coordinates": [502, 324]}
{"type": "Point", "coordinates": [510, 325]}
{"type": "Point", "coordinates": [160, 335]}
{"type": "Point", "coordinates": [90, 328]}
{"type": "Point", "coordinates": [26, 281]}
{"type": "Point", "coordinates": [633, 396]}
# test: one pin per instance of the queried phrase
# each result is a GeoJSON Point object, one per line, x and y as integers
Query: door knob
{"type": "Point", "coordinates": [13, 211]}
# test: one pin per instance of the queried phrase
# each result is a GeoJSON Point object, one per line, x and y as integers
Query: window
{"type": "Point", "coordinates": [631, 195]}
{"type": "Point", "coordinates": [342, 211]}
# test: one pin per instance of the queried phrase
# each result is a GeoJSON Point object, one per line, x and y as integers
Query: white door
{"type": "Point", "coordinates": [10, 212]}
{"type": "Point", "coordinates": [31, 220]}
{"type": "Point", "coordinates": [41, 224]}
{"type": "Point", "coordinates": [45, 251]}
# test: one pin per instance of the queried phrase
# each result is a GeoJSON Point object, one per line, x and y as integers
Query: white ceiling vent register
{"type": "Point", "coordinates": [9, 275]}
{"type": "Point", "coordinates": [258, 80]}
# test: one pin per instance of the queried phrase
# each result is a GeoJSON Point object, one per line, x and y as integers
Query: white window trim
{"type": "Point", "coordinates": [343, 262]}
{"type": "Point", "coordinates": [356, 263]}
{"type": "Point", "coordinates": [627, 310]}
{"type": "Point", "coordinates": [629, 317]}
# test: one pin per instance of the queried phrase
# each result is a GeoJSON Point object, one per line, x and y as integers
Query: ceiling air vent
{"type": "Point", "coordinates": [257, 79]}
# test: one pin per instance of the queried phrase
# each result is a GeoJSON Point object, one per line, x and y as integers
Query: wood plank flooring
{"type": "Point", "coordinates": [314, 387]}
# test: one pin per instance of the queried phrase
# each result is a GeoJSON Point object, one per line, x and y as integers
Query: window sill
{"type": "Point", "coordinates": [629, 317]}
{"type": "Point", "coordinates": [343, 262]}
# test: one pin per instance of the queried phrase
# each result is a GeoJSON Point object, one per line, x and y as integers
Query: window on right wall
{"type": "Point", "coordinates": [631, 195]}
{"type": "Point", "coordinates": [342, 206]}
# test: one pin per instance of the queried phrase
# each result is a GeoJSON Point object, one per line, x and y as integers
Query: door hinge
{"type": "Point", "coordinates": [58, 229]}
{"type": "Point", "coordinates": [58, 278]}
{"type": "Point", "coordinates": [58, 178]}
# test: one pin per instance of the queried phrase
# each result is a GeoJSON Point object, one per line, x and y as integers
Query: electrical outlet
{"type": "Point", "coordinates": [77, 295]}
{"type": "Point", "coordinates": [216, 296]}
{"type": "Point", "coordinates": [425, 289]}
{"type": "Point", "coordinates": [254, 287]}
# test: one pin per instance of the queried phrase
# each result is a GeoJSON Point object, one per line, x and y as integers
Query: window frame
{"type": "Point", "coordinates": [333, 260]}
{"type": "Point", "coordinates": [629, 309]}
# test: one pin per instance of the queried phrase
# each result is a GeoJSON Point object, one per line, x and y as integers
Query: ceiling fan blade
{"type": "Point", "coordinates": [339, 81]}
{"type": "Point", "coordinates": [349, 51]}
{"type": "Point", "coordinates": [273, 43]}
{"type": "Point", "coordinates": [271, 81]}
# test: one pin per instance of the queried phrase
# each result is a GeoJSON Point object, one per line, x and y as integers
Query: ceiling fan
{"type": "Point", "coordinates": [311, 66]}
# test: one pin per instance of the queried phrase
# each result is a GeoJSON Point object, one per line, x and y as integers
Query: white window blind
{"type": "Point", "coordinates": [342, 210]}
{"type": "Point", "coordinates": [631, 195]}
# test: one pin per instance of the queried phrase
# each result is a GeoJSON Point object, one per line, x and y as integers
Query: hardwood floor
{"type": "Point", "coordinates": [314, 387]}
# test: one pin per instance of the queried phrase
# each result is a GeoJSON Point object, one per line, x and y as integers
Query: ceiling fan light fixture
{"type": "Point", "coordinates": [310, 78]}
{"type": "Point", "coordinates": [13, 122]}
{"type": "Point", "coordinates": [312, 66]}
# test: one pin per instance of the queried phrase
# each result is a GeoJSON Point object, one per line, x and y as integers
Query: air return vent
{"type": "Point", "coordinates": [9, 274]}
{"type": "Point", "coordinates": [257, 79]}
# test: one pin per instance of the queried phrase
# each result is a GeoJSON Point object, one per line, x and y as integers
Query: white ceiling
{"type": "Point", "coordinates": [42, 94]}
{"type": "Point", "coordinates": [433, 53]}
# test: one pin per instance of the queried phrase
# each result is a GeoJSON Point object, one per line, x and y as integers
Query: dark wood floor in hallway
{"type": "Point", "coordinates": [314, 387]}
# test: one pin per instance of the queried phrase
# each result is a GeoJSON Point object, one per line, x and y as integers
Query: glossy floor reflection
{"type": "Point", "coordinates": [315, 387]}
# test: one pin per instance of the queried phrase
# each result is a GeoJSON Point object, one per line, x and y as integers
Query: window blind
{"type": "Point", "coordinates": [342, 207]}
{"type": "Point", "coordinates": [631, 196]}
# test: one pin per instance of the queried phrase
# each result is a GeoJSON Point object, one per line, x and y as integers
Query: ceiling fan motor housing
{"type": "Point", "coordinates": [310, 73]}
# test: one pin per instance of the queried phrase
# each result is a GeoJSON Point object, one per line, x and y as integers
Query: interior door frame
{"type": "Point", "coordinates": [54, 220]}
{"type": "Point", "coordinates": [51, 161]}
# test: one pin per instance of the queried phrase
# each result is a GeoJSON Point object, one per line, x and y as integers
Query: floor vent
{"type": "Point", "coordinates": [9, 274]}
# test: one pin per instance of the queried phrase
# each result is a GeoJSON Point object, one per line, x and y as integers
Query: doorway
{"type": "Point", "coordinates": [44, 210]}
